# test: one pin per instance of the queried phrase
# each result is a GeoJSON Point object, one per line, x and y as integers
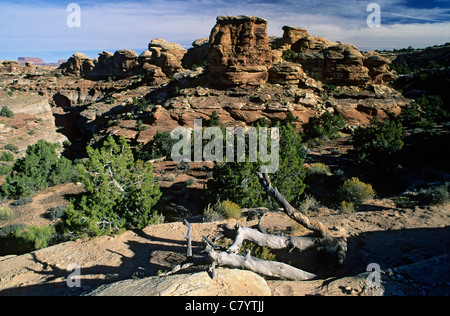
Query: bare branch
{"type": "Point", "coordinates": [188, 239]}
{"type": "Point", "coordinates": [289, 209]}
{"type": "Point", "coordinates": [271, 269]}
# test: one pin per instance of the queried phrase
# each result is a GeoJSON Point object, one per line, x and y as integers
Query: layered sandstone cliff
{"type": "Point", "coordinates": [239, 52]}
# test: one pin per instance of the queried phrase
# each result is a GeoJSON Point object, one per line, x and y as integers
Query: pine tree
{"type": "Point", "coordinates": [121, 192]}
{"type": "Point", "coordinates": [238, 182]}
{"type": "Point", "coordinates": [40, 168]}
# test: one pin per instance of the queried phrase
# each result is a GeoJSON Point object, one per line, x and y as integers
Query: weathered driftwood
{"type": "Point", "coordinates": [272, 269]}
{"type": "Point", "coordinates": [228, 259]}
{"type": "Point", "coordinates": [188, 239]}
{"type": "Point", "coordinates": [312, 225]}
{"type": "Point", "coordinates": [336, 247]}
{"type": "Point", "coordinates": [267, 240]}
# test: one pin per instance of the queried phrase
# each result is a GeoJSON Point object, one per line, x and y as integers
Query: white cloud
{"type": "Point", "coordinates": [110, 25]}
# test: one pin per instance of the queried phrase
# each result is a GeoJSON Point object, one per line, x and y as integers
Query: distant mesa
{"type": "Point", "coordinates": [39, 61]}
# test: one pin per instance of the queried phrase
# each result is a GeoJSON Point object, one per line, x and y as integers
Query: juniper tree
{"type": "Point", "coordinates": [120, 192]}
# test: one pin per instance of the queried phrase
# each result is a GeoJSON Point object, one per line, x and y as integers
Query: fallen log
{"type": "Point", "coordinates": [336, 247]}
{"type": "Point", "coordinates": [271, 269]}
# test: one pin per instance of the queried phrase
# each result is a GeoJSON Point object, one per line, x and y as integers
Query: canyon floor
{"type": "Point", "coordinates": [409, 244]}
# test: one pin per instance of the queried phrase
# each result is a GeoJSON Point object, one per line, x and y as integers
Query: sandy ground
{"type": "Point", "coordinates": [390, 237]}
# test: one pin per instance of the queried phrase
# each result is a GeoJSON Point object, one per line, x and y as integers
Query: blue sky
{"type": "Point", "coordinates": [39, 29]}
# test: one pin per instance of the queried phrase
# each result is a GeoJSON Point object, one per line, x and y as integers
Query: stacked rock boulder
{"type": "Point", "coordinates": [239, 52]}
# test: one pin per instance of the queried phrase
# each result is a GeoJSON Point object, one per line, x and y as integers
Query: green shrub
{"type": "Point", "coordinates": [56, 212]}
{"type": "Point", "coordinates": [263, 253]}
{"type": "Point", "coordinates": [238, 182]}
{"type": "Point", "coordinates": [22, 201]}
{"type": "Point", "coordinates": [4, 170]}
{"type": "Point", "coordinates": [6, 156]}
{"type": "Point", "coordinates": [436, 195]}
{"type": "Point", "coordinates": [328, 125]}
{"type": "Point", "coordinates": [308, 204]}
{"type": "Point", "coordinates": [5, 213]}
{"type": "Point", "coordinates": [142, 103]}
{"type": "Point", "coordinates": [120, 192]}
{"type": "Point", "coordinates": [290, 55]}
{"type": "Point", "coordinates": [140, 126]}
{"type": "Point", "coordinates": [160, 146]}
{"type": "Point", "coordinates": [230, 209]}
{"type": "Point", "coordinates": [190, 181]}
{"type": "Point", "coordinates": [6, 112]}
{"type": "Point", "coordinates": [356, 191]}
{"type": "Point", "coordinates": [317, 168]}
{"type": "Point", "coordinates": [347, 207]}
{"type": "Point", "coordinates": [379, 140]}
{"type": "Point", "coordinates": [222, 210]}
{"type": "Point", "coordinates": [432, 108]}
{"type": "Point", "coordinates": [404, 202]}
{"type": "Point", "coordinates": [35, 237]}
{"type": "Point", "coordinates": [40, 168]}
{"type": "Point", "coordinates": [10, 230]}
{"type": "Point", "coordinates": [12, 148]}
{"type": "Point", "coordinates": [214, 119]}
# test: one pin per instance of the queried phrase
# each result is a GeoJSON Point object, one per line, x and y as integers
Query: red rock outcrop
{"type": "Point", "coordinates": [79, 65]}
{"type": "Point", "coordinates": [239, 52]}
{"type": "Point", "coordinates": [334, 62]}
{"type": "Point", "coordinates": [166, 55]}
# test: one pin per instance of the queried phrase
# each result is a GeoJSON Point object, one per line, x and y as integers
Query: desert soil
{"type": "Point", "coordinates": [416, 240]}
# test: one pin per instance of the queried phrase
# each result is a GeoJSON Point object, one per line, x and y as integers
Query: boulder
{"type": "Point", "coordinates": [227, 283]}
{"type": "Point", "coordinates": [378, 66]}
{"type": "Point", "coordinates": [166, 55]}
{"type": "Point", "coordinates": [123, 63]}
{"type": "Point", "coordinates": [292, 35]}
{"type": "Point", "coordinates": [286, 73]}
{"type": "Point", "coordinates": [333, 62]}
{"type": "Point", "coordinates": [196, 55]}
{"type": "Point", "coordinates": [79, 65]}
{"type": "Point", "coordinates": [239, 52]}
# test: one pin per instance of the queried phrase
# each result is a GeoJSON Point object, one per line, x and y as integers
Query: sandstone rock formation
{"type": "Point", "coordinates": [227, 283]}
{"type": "Point", "coordinates": [161, 60]}
{"type": "Point", "coordinates": [197, 54]}
{"type": "Point", "coordinates": [244, 76]}
{"type": "Point", "coordinates": [33, 120]}
{"type": "Point", "coordinates": [79, 65]}
{"type": "Point", "coordinates": [239, 52]}
{"type": "Point", "coordinates": [334, 62]}
{"type": "Point", "coordinates": [166, 55]}
{"type": "Point", "coordinates": [123, 63]}
{"type": "Point", "coordinates": [9, 66]}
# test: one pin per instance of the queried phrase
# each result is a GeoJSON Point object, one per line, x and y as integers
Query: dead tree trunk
{"type": "Point", "coordinates": [270, 269]}
{"type": "Point", "coordinates": [335, 247]}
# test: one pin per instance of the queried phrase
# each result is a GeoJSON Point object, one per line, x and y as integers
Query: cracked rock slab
{"type": "Point", "coordinates": [229, 282]}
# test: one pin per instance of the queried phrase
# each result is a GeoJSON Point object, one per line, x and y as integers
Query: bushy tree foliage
{"type": "Point", "coordinates": [41, 167]}
{"type": "Point", "coordinates": [378, 140]}
{"type": "Point", "coordinates": [327, 125]}
{"type": "Point", "coordinates": [238, 182]}
{"type": "Point", "coordinates": [6, 112]}
{"type": "Point", "coordinates": [121, 192]}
